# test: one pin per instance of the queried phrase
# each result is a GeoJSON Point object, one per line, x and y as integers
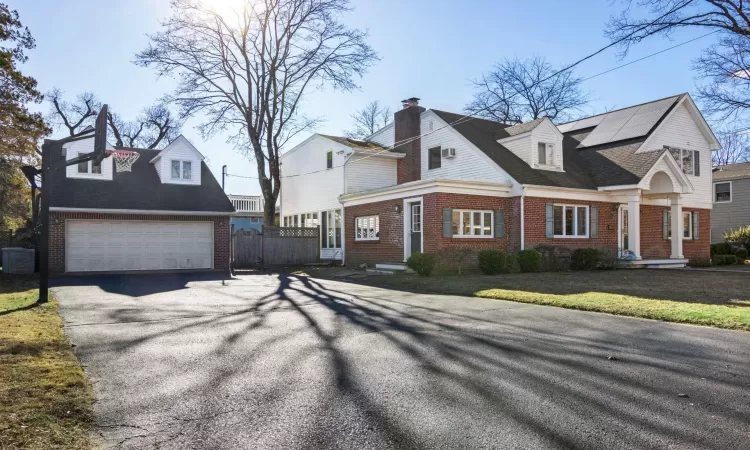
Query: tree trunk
{"type": "Point", "coordinates": [269, 213]}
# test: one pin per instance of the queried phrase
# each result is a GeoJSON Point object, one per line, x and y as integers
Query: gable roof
{"type": "Point", "coordinates": [140, 189]}
{"type": "Point", "coordinates": [732, 172]}
{"type": "Point", "coordinates": [592, 157]}
{"type": "Point", "coordinates": [354, 143]}
{"type": "Point", "coordinates": [173, 144]}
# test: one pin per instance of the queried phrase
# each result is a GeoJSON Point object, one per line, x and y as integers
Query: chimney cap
{"type": "Point", "coordinates": [413, 101]}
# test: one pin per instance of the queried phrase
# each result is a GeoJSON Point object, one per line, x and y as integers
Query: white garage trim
{"type": "Point", "coordinates": [141, 211]}
{"type": "Point", "coordinates": [141, 266]}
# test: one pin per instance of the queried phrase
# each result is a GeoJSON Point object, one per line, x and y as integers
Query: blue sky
{"type": "Point", "coordinates": [429, 49]}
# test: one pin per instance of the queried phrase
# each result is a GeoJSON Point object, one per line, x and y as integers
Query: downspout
{"type": "Point", "coordinates": [523, 191]}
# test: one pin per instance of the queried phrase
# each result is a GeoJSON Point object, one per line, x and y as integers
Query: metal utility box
{"type": "Point", "coordinates": [18, 260]}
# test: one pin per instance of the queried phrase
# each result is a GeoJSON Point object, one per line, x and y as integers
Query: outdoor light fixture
{"type": "Point", "coordinates": [396, 208]}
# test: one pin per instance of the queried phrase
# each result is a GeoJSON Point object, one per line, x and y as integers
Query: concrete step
{"type": "Point", "coordinates": [392, 266]}
{"type": "Point", "coordinates": [379, 271]}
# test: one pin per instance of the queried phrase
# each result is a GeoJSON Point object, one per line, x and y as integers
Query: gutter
{"type": "Point", "coordinates": [523, 194]}
{"type": "Point", "coordinates": [142, 211]}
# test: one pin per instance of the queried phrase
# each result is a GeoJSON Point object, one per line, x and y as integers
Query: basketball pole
{"type": "Point", "coordinates": [44, 221]}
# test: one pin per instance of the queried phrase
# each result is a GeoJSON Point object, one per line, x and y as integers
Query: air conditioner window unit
{"type": "Point", "coordinates": [449, 153]}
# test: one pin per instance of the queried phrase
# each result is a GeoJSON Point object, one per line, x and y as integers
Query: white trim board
{"type": "Point", "coordinates": [141, 211]}
{"type": "Point", "coordinates": [429, 186]}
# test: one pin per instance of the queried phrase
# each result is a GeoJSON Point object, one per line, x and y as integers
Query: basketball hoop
{"type": "Point", "coordinates": [124, 159]}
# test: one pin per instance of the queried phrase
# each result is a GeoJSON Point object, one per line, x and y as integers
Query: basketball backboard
{"type": "Point", "coordinates": [100, 135]}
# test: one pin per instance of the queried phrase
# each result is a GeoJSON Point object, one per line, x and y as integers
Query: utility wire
{"type": "Point", "coordinates": [472, 115]}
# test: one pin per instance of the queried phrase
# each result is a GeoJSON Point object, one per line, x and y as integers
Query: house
{"type": "Point", "coordinates": [249, 212]}
{"type": "Point", "coordinates": [731, 197]}
{"type": "Point", "coordinates": [168, 213]}
{"type": "Point", "coordinates": [434, 181]}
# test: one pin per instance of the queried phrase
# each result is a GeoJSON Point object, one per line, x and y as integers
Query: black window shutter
{"type": "Point", "coordinates": [665, 227]}
{"type": "Point", "coordinates": [447, 222]}
{"type": "Point", "coordinates": [550, 220]}
{"type": "Point", "coordinates": [499, 224]}
{"type": "Point", "coordinates": [696, 225]}
{"type": "Point", "coordinates": [594, 231]}
{"type": "Point", "coordinates": [697, 162]}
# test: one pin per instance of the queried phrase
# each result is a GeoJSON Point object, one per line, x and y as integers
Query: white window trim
{"type": "Point", "coordinates": [575, 221]}
{"type": "Point", "coordinates": [669, 225]}
{"type": "Point", "coordinates": [376, 228]}
{"type": "Point", "coordinates": [550, 155]}
{"type": "Point", "coordinates": [731, 193]}
{"type": "Point", "coordinates": [412, 222]}
{"type": "Point", "coordinates": [182, 170]}
{"type": "Point", "coordinates": [471, 225]}
{"type": "Point", "coordinates": [440, 152]}
{"type": "Point", "coordinates": [90, 165]}
{"type": "Point", "coordinates": [679, 161]}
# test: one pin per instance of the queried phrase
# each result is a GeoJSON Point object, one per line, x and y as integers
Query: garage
{"type": "Point", "coordinates": [116, 245]}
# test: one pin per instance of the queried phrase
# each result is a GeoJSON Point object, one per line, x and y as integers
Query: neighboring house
{"type": "Point", "coordinates": [249, 212]}
{"type": "Point", "coordinates": [169, 213]}
{"type": "Point", "coordinates": [624, 180]}
{"type": "Point", "coordinates": [731, 195]}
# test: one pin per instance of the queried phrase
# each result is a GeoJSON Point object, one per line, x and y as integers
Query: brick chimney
{"type": "Point", "coordinates": [407, 126]}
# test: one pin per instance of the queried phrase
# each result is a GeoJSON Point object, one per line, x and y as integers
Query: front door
{"type": "Point", "coordinates": [623, 231]}
{"type": "Point", "coordinates": [416, 228]}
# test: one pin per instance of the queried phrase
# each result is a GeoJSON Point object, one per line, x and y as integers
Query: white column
{"type": "Point", "coordinates": [634, 225]}
{"type": "Point", "coordinates": [678, 227]}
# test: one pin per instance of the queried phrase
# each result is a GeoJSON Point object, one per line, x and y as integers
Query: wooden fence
{"type": "Point", "coordinates": [275, 246]}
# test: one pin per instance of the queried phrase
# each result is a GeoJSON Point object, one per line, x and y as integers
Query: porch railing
{"type": "Point", "coordinates": [246, 203]}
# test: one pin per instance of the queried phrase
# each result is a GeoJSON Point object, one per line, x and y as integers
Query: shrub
{"type": "Point", "coordinates": [554, 258]}
{"type": "Point", "coordinates": [740, 236]}
{"type": "Point", "coordinates": [699, 262]}
{"type": "Point", "coordinates": [585, 258]}
{"type": "Point", "coordinates": [741, 255]}
{"type": "Point", "coordinates": [454, 260]}
{"type": "Point", "coordinates": [723, 248]}
{"type": "Point", "coordinates": [422, 263]}
{"type": "Point", "coordinates": [725, 260]}
{"type": "Point", "coordinates": [491, 261]}
{"type": "Point", "coordinates": [530, 260]}
{"type": "Point", "coordinates": [511, 264]}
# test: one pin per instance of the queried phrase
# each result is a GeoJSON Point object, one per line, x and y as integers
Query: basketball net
{"type": "Point", "coordinates": [124, 159]}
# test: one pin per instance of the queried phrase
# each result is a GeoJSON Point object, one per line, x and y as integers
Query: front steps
{"type": "Point", "coordinates": [388, 269]}
{"type": "Point", "coordinates": [659, 263]}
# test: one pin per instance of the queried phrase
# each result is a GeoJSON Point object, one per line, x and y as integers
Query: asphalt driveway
{"type": "Point", "coordinates": [278, 361]}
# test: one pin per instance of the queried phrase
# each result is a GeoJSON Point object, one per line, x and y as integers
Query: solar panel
{"type": "Point", "coordinates": [628, 123]}
{"type": "Point", "coordinates": [564, 128]}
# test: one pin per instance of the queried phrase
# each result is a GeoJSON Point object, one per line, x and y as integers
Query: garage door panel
{"type": "Point", "coordinates": [138, 245]}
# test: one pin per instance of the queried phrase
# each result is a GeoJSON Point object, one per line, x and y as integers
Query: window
{"type": "Point", "coordinates": [253, 220]}
{"type": "Point", "coordinates": [434, 158]}
{"type": "Point", "coordinates": [416, 218]}
{"type": "Point", "coordinates": [89, 167]}
{"type": "Point", "coordinates": [182, 170]}
{"type": "Point", "coordinates": [367, 228]}
{"type": "Point", "coordinates": [475, 224]}
{"type": "Point", "coordinates": [309, 220]}
{"type": "Point", "coordinates": [331, 229]}
{"type": "Point", "coordinates": [545, 154]}
{"type": "Point", "coordinates": [685, 159]}
{"type": "Point", "coordinates": [96, 168]}
{"type": "Point", "coordinates": [329, 160]}
{"type": "Point", "coordinates": [687, 219]}
{"type": "Point", "coordinates": [723, 192]}
{"type": "Point", "coordinates": [83, 167]}
{"type": "Point", "coordinates": [571, 221]}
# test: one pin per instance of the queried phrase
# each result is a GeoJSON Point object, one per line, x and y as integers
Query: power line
{"type": "Point", "coordinates": [473, 115]}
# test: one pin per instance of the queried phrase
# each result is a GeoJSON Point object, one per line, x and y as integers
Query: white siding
{"type": "Point", "coordinates": [680, 130]}
{"type": "Point", "coordinates": [303, 191]}
{"type": "Point", "coordinates": [546, 132]}
{"type": "Point", "coordinates": [663, 167]}
{"type": "Point", "coordinates": [179, 150]}
{"type": "Point", "coordinates": [76, 148]}
{"type": "Point", "coordinates": [385, 137]}
{"type": "Point", "coordinates": [521, 147]}
{"type": "Point", "coordinates": [470, 163]}
{"type": "Point", "coordinates": [363, 173]}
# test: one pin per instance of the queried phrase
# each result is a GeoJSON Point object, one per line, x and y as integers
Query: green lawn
{"type": "Point", "coordinates": [702, 298]}
{"type": "Point", "coordinates": [45, 398]}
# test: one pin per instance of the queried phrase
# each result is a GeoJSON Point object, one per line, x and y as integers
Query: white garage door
{"type": "Point", "coordinates": [137, 245]}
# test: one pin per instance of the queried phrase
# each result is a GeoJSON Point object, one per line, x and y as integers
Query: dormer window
{"type": "Point", "coordinates": [545, 154]}
{"type": "Point", "coordinates": [90, 167]}
{"type": "Point", "coordinates": [182, 170]}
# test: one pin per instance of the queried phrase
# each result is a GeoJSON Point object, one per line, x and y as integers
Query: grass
{"type": "Point", "coordinates": [702, 298]}
{"type": "Point", "coordinates": [45, 398]}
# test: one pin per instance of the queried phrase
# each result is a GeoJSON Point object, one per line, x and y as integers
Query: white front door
{"type": "Point", "coordinates": [109, 245]}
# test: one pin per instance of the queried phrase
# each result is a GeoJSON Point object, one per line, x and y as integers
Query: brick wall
{"type": "Point", "coordinates": [653, 244]}
{"type": "Point", "coordinates": [389, 247]}
{"type": "Point", "coordinates": [57, 234]}
{"type": "Point", "coordinates": [407, 125]}
{"type": "Point", "coordinates": [535, 228]}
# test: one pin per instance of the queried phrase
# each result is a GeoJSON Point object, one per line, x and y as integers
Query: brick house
{"type": "Point", "coordinates": [431, 181]}
{"type": "Point", "coordinates": [168, 213]}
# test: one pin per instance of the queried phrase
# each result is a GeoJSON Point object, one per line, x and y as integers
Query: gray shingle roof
{"type": "Point", "coordinates": [732, 171]}
{"type": "Point", "coordinates": [525, 127]}
{"type": "Point", "coordinates": [354, 143]}
{"type": "Point", "coordinates": [140, 189]}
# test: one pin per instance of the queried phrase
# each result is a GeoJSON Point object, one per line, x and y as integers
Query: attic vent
{"type": "Point", "coordinates": [449, 152]}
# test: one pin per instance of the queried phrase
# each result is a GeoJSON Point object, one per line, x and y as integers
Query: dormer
{"type": "Point", "coordinates": [538, 142]}
{"type": "Point", "coordinates": [179, 163]}
{"type": "Point", "coordinates": [88, 169]}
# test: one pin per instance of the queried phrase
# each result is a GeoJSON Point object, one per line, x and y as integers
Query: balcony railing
{"type": "Point", "coordinates": [246, 203]}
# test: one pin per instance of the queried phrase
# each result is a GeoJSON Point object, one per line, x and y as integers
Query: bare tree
{"type": "Point", "coordinates": [153, 128]}
{"type": "Point", "coordinates": [517, 90]}
{"type": "Point", "coordinates": [723, 66]}
{"type": "Point", "coordinates": [369, 119]}
{"type": "Point", "coordinates": [247, 71]}
{"type": "Point", "coordinates": [735, 147]}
